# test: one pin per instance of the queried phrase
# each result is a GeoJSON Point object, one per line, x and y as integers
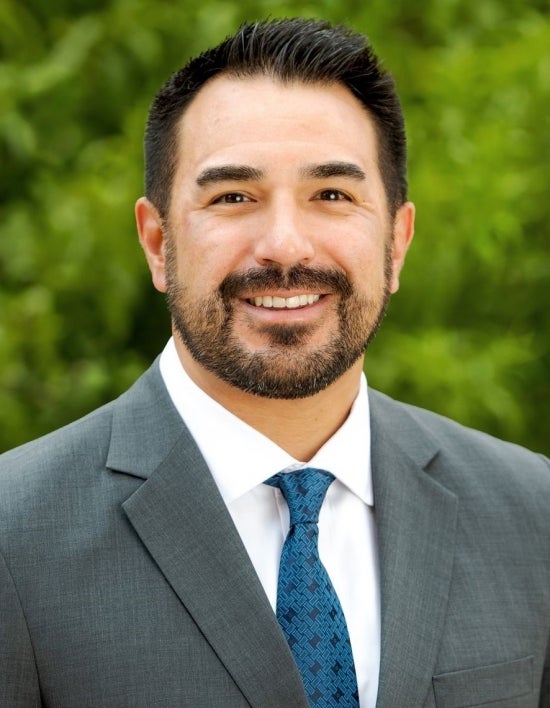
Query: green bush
{"type": "Point", "coordinates": [468, 333]}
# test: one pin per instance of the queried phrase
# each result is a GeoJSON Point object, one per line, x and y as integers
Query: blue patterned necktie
{"type": "Point", "coordinates": [308, 608]}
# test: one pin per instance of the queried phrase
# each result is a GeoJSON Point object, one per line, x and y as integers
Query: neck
{"type": "Point", "coordinates": [298, 426]}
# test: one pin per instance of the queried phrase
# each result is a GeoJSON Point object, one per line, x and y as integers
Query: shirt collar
{"type": "Point", "coordinates": [240, 458]}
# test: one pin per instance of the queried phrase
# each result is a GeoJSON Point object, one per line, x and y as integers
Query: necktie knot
{"type": "Point", "coordinates": [304, 492]}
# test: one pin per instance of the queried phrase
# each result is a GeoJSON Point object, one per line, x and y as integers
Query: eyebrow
{"type": "Point", "coordinates": [245, 173]}
{"type": "Point", "coordinates": [228, 173]}
{"type": "Point", "coordinates": [334, 169]}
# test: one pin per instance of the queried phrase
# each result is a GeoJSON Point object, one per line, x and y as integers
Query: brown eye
{"type": "Point", "coordinates": [333, 195]}
{"type": "Point", "coordinates": [232, 198]}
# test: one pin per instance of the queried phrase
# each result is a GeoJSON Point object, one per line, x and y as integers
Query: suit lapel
{"type": "Point", "coordinates": [182, 520]}
{"type": "Point", "coordinates": [179, 504]}
{"type": "Point", "coordinates": [416, 521]}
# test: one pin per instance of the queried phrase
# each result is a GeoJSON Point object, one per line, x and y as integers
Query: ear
{"type": "Point", "coordinates": [152, 239]}
{"type": "Point", "coordinates": [403, 231]}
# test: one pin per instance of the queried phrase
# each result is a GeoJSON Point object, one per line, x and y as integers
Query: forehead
{"type": "Point", "coordinates": [259, 119]}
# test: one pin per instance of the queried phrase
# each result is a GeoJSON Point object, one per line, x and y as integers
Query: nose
{"type": "Point", "coordinates": [283, 238]}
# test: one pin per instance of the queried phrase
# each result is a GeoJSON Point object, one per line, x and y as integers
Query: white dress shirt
{"type": "Point", "coordinates": [241, 459]}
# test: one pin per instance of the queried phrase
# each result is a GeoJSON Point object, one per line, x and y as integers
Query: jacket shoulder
{"type": "Point", "coordinates": [84, 439]}
{"type": "Point", "coordinates": [474, 454]}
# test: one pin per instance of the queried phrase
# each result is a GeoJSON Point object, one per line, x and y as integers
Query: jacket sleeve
{"type": "Point", "coordinates": [544, 701]}
{"type": "Point", "coordinates": [18, 677]}
{"type": "Point", "coordinates": [545, 685]}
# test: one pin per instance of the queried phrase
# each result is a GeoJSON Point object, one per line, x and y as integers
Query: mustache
{"type": "Point", "coordinates": [273, 277]}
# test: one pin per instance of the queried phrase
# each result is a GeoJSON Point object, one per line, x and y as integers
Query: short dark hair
{"type": "Point", "coordinates": [289, 50]}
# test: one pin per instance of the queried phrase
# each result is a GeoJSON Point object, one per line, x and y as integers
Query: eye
{"type": "Point", "coordinates": [232, 198]}
{"type": "Point", "coordinates": [333, 195]}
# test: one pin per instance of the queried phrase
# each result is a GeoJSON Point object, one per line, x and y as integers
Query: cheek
{"type": "Point", "coordinates": [363, 259]}
{"type": "Point", "coordinates": [205, 255]}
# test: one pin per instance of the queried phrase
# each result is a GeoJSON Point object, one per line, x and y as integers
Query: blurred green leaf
{"type": "Point", "coordinates": [468, 335]}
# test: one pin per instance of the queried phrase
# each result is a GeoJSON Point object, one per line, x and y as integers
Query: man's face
{"type": "Point", "coordinates": [279, 255]}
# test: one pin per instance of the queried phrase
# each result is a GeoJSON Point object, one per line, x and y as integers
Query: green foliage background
{"type": "Point", "coordinates": [468, 333]}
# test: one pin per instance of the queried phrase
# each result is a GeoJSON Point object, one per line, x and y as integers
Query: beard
{"type": "Point", "coordinates": [289, 367]}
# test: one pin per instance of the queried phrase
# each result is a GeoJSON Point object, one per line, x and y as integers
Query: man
{"type": "Point", "coordinates": [144, 553]}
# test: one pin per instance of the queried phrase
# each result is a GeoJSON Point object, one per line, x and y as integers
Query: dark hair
{"type": "Point", "coordinates": [297, 49]}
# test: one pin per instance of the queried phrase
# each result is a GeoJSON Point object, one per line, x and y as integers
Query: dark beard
{"type": "Point", "coordinates": [284, 369]}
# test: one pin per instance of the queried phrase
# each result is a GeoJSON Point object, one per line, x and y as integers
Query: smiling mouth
{"type": "Point", "coordinates": [282, 303]}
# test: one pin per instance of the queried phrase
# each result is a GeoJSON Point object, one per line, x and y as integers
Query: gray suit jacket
{"type": "Point", "coordinates": [123, 582]}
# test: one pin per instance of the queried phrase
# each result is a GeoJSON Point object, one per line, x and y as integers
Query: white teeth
{"type": "Point", "coordinates": [290, 303]}
{"type": "Point", "coordinates": [266, 301]}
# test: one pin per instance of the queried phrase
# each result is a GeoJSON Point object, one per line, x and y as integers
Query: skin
{"type": "Point", "coordinates": [311, 194]}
